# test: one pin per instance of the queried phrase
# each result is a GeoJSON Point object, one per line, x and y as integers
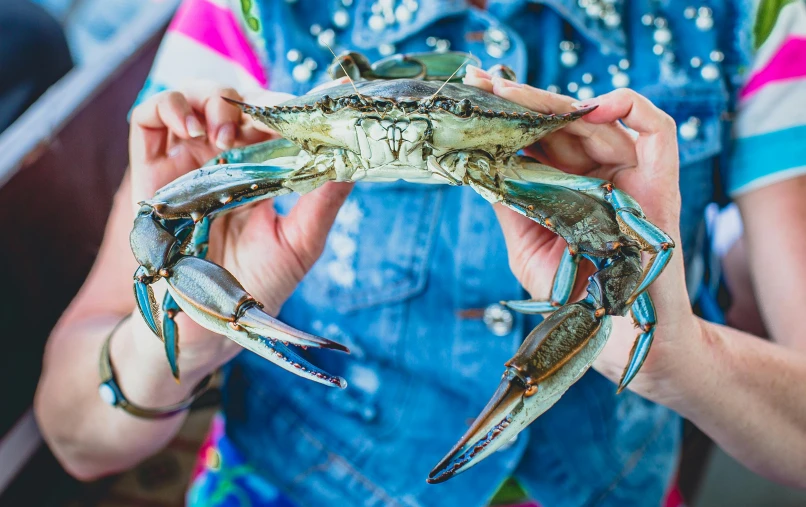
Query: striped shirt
{"type": "Point", "coordinates": [770, 129]}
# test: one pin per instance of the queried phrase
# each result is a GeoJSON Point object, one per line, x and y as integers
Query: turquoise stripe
{"type": "Point", "coordinates": [764, 155]}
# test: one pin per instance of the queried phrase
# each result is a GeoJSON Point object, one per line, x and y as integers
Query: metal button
{"type": "Point", "coordinates": [498, 320]}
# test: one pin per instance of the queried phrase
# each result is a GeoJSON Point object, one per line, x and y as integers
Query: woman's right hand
{"type": "Point", "coordinates": [173, 133]}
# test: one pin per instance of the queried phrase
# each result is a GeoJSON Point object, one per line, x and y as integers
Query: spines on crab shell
{"type": "Point", "coordinates": [533, 117]}
{"type": "Point", "coordinates": [361, 103]}
{"type": "Point", "coordinates": [270, 114]}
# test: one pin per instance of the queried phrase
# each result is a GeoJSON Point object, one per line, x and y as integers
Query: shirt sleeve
{"type": "Point", "coordinates": [206, 40]}
{"type": "Point", "coordinates": [770, 129]}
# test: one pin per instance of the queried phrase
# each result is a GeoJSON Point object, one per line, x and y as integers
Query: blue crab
{"type": "Point", "coordinates": [407, 118]}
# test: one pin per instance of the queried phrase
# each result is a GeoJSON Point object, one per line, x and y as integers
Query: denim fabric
{"type": "Point", "coordinates": [408, 269]}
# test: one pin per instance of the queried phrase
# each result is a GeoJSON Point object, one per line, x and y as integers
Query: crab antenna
{"type": "Point", "coordinates": [345, 70]}
{"type": "Point", "coordinates": [449, 79]}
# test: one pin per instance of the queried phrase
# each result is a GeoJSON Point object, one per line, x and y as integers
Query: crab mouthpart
{"type": "Point", "coordinates": [497, 424]}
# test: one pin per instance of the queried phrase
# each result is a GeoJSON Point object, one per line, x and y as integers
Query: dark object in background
{"type": "Point", "coordinates": [33, 56]}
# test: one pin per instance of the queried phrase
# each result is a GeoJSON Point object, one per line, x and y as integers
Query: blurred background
{"type": "Point", "coordinates": [63, 149]}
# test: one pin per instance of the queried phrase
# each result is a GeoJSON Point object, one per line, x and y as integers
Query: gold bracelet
{"type": "Point", "coordinates": [112, 394]}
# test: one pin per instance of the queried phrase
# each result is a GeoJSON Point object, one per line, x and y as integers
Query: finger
{"type": "Point", "coordinates": [164, 114]}
{"type": "Point", "coordinates": [605, 143]}
{"type": "Point", "coordinates": [309, 221]}
{"type": "Point", "coordinates": [633, 109]}
{"type": "Point", "coordinates": [169, 110]}
{"type": "Point", "coordinates": [477, 77]}
{"type": "Point", "coordinates": [656, 145]}
{"type": "Point", "coordinates": [657, 167]}
{"type": "Point", "coordinates": [221, 117]}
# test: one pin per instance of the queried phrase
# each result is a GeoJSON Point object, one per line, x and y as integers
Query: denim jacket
{"type": "Point", "coordinates": [410, 271]}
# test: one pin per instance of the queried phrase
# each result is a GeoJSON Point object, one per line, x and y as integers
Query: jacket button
{"type": "Point", "coordinates": [498, 320]}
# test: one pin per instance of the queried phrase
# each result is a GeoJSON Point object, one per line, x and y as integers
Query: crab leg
{"type": "Point", "coordinates": [630, 216]}
{"type": "Point", "coordinates": [256, 153]}
{"type": "Point", "coordinates": [208, 293]}
{"type": "Point", "coordinates": [564, 281]}
{"type": "Point", "coordinates": [643, 312]}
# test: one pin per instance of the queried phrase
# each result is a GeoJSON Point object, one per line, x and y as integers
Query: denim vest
{"type": "Point", "coordinates": [409, 270]}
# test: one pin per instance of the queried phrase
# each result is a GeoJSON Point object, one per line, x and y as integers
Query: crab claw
{"type": "Point", "coordinates": [211, 296]}
{"type": "Point", "coordinates": [497, 424]}
{"type": "Point", "coordinates": [554, 356]}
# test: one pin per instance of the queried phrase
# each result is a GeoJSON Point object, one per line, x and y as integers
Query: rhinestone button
{"type": "Point", "coordinates": [710, 72]}
{"type": "Point", "coordinates": [585, 93]}
{"type": "Point", "coordinates": [341, 18]}
{"type": "Point", "coordinates": [107, 394]}
{"type": "Point", "coordinates": [620, 80]}
{"type": "Point", "coordinates": [301, 73]}
{"type": "Point", "coordinates": [498, 320]}
{"type": "Point", "coordinates": [690, 129]}
{"type": "Point", "coordinates": [569, 58]}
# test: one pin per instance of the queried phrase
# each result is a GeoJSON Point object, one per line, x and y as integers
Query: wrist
{"type": "Point", "coordinates": [142, 367]}
{"type": "Point", "coordinates": [686, 368]}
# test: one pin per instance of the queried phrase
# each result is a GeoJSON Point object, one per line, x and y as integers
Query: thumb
{"type": "Point", "coordinates": [306, 226]}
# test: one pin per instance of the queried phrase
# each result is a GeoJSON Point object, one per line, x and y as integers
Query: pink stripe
{"type": "Point", "coordinates": [217, 29]}
{"type": "Point", "coordinates": [788, 63]}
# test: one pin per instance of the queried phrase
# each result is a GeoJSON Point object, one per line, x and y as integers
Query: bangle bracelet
{"type": "Point", "coordinates": [112, 394]}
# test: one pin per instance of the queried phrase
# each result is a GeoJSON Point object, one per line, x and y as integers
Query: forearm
{"type": "Point", "coordinates": [747, 395]}
{"type": "Point", "coordinates": [89, 437]}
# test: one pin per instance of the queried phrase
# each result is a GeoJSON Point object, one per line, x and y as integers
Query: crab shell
{"type": "Point", "coordinates": [395, 126]}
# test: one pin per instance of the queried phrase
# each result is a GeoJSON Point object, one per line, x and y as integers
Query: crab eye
{"type": "Point", "coordinates": [463, 107]}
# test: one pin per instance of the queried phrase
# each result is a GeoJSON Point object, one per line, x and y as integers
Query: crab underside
{"type": "Point", "coordinates": [421, 130]}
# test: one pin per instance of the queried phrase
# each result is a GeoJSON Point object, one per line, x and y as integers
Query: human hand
{"type": "Point", "coordinates": [646, 167]}
{"type": "Point", "coordinates": [176, 132]}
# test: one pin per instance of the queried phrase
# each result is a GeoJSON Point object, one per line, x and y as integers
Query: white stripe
{"type": "Point", "coordinates": [791, 22]}
{"type": "Point", "coordinates": [17, 447]}
{"type": "Point", "coordinates": [182, 60]}
{"type": "Point", "coordinates": [776, 106]}
{"type": "Point", "coordinates": [224, 4]}
{"type": "Point", "coordinates": [770, 179]}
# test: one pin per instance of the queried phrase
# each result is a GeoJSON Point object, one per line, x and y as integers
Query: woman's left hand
{"type": "Point", "coordinates": [646, 167]}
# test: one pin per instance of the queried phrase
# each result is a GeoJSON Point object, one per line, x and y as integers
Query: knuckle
{"type": "Point", "coordinates": [667, 122]}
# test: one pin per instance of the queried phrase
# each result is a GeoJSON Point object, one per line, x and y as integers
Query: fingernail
{"type": "Point", "coordinates": [472, 69]}
{"type": "Point", "coordinates": [505, 83]}
{"type": "Point", "coordinates": [195, 128]}
{"type": "Point", "coordinates": [226, 137]}
{"type": "Point", "coordinates": [583, 105]}
{"type": "Point", "coordinates": [174, 152]}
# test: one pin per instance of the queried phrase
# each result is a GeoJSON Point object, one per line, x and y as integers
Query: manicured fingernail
{"type": "Point", "coordinates": [195, 128]}
{"type": "Point", "coordinates": [472, 69]}
{"type": "Point", "coordinates": [505, 83]}
{"type": "Point", "coordinates": [583, 105]}
{"type": "Point", "coordinates": [226, 137]}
